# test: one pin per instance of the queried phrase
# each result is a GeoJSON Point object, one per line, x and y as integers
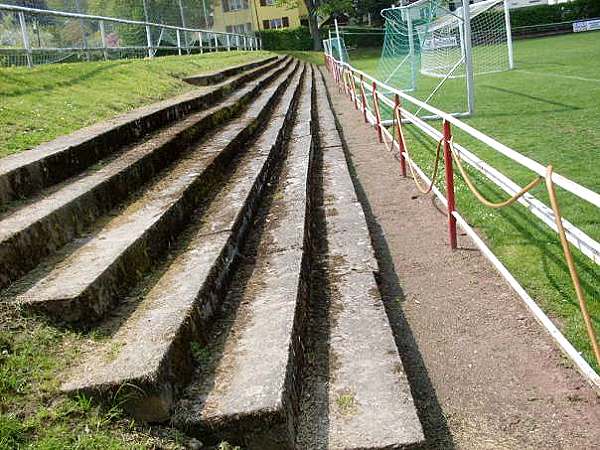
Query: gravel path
{"type": "Point", "coordinates": [484, 374]}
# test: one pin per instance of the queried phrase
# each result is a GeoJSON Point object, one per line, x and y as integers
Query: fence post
{"type": "Point", "coordinates": [149, 41]}
{"type": "Point", "coordinates": [178, 42]}
{"type": "Point", "coordinates": [245, 43]}
{"type": "Point", "coordinates": [398, 114]}
{"type": "Point", "coordinates": [363, 98]}
{"type": "Point", "coordinates": [216, 42]}
{"type": "Point", "coordinates": [200, 42]}
{"type": "Point", "coordinates": [353, 85]}
{"type": "Point", "coordinates": [148, 34]}
{"type": "Point", "coordinates": [103, 37]}
{"type": "Point", "coordinates": [25, 37]}
{"type": "Point", "coordinates": [377, 115]}
{"type": "Point", "coordinates": [228, 43]}
{"type": "Point", "coordinates": [449, 185]}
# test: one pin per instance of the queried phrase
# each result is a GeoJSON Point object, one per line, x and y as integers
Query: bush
{"type": "Point", "coordinates": [294, 39]}
{"type": "Point", "coordinates": [563, 12]}
{"type": "Point", "coordinates": [364, 37]}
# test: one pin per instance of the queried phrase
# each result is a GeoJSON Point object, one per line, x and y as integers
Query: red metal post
{"type": "Point", "coordinates": [345, 78]}
{"type": "Point", "coordinates": [353, 86]}
{"type": "Point", "coordinates": [363, 98]}
{"type": "Point", "coordinates": [399, 133]}
{"type": "Point", "coordinates": [449, 185]}
{"type": "Point", "coordinates": [377, 115]}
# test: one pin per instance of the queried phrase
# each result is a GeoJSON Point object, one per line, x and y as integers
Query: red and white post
{"type": "Point", "coordinates": [363, 98]}
{"type": "Point", "coordinates": [398, 113]}
{"type": "Point", "coordinates": [377, 115]}
{"type": "Point", "coordinates": [449, 185]}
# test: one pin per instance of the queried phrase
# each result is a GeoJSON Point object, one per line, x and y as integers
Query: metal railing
{"type": "Point", "coordinates": [369, 94]}
{"type": "Point", "coordinates": [31, 36]}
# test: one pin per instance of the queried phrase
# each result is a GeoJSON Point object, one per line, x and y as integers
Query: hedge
{"type": "Point", "coordinates": [562, 12]}
{"type": "Point", "coordinates": [287, 39]}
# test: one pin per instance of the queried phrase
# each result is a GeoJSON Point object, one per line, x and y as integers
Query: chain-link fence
{"type": "Point", "coordinates": [34, 32]}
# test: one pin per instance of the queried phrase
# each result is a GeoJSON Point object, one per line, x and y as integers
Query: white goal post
{"type": "Point", "coordinates": [433, 39]}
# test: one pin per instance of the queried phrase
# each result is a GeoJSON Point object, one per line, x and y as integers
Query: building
{"type": "Point", "coordinates": [244, 16]}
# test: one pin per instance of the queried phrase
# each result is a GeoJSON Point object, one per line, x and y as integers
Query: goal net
{"type": "Point", "coordinates": [428, 40]}
{"type": "Point", "coordinates": [336, 47]}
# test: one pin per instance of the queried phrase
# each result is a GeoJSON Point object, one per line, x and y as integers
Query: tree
{"type": "Point", "coordinates": [318, 8]}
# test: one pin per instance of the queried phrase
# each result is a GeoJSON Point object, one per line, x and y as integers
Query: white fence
{"type": "Point", "coordinates": [356, 84]}
{"type": "Point", "coordinates": [30, 36]}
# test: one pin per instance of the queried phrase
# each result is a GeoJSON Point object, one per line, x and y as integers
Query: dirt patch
{"type": "Point", "coordinates": [483, 373]}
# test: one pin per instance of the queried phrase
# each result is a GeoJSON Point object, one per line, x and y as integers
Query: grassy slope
{"type": "Point", "coordinates": [40, 104]}
{"type": "Point", "coordinates": [541, 112]}
{"type": "Point", "coordinates": [33, 354]}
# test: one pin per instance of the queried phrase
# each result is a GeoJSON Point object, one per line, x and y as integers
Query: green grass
{"type": "Point", "coordinates": [310, 57]}
{"type": "Point", "coordinates": [541, 112]}
{"type": "Point", "coordinates": [36, 106]}
{"type": "Point", "coordinates": [35, 415]}
{"type": "Point", "coordinates": [49, 101]}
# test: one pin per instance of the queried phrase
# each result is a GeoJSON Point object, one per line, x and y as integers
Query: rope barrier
{"type": "Point", "coordinates": [438, 152]}
{"type": "Point", "coordinates": [571, 264]}
{"type": "Point", "coordinates": [397, 124]}
{"type": "Point", "coordinates": [479, 195]}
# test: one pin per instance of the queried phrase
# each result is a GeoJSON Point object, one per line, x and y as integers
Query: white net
{"type": "Point", "coordinates": [337, 48]}
{"type": "Point", "coordinates": [441, 41]}
{"type": "Point", "coordinates": [425, 47]}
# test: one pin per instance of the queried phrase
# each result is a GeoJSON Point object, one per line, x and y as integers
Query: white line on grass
{"type": "Point", "coordinates": [556, 75]}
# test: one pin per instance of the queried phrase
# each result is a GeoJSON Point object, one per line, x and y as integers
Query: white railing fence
{"type": "Point", "coordinates": [30, 37]}
{"type": "Point", "coordinates": [369, 95]}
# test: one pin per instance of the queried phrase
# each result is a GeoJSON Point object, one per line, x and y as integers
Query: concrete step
{"type": "Point", "coordinates": [207, 79]}
{"type": "Point", "coordinates": [154, 342]}
{"type": "Point", "coordinates": [85, 285]}
{"type": "Point", "coordinates": [252, 379]}
{"type": "Point", "coordinates": [45, 223]}
{"type": "Point", "coordinates": [24, 174]}
{"type": "Point", "coordinates": [369, 402]}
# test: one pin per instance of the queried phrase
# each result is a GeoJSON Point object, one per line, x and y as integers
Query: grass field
{"type": "Point", "coordinates": [49, 101]}
{"type": "Point", "coordinates": [548, 108]}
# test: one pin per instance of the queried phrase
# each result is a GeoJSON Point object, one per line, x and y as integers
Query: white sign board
{"type": "Point", "coordinates": [435, 42]}
{"type": "Point", "coordinates": [586, 25]}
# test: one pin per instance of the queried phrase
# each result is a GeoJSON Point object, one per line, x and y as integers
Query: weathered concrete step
{"type": "Point", "coordinates": [154, 343]}
{"type": "Point", "coordinates": [87, 283]}
{"type": "Point", "coordinates": [44, 224]}
{"type": "Point", "coordinates": [252, 383]}
{"type": "Point", "coordinates": [369, 399]}
{"type": "Point", "coordinates": [217, 77]}
{"type": "Point", "coordinates": [27, 173]}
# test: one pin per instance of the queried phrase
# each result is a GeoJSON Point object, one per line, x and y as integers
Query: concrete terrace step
{"type": "Point", "coordinates": [87, 283]}
{"type": "Point", "coordinates": [254, 380]}
{"type": "Point", "coordinates": [217, 77]}
{"type": "Point", "coordinates": [369, 399]}
{"type": "Point", "coordinates": [44, 224]}
{"type": "Point", "coordinates": [27, 173]}
{"type": "Point", "coordinates": [154, 343]}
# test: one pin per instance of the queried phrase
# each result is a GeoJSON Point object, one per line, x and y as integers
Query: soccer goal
{"type": "Point", "coordinates": [432, 39]}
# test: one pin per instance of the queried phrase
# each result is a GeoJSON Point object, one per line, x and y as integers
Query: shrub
{"type": "Point", "coordinates": [294, 39]}
{"type": "Point", "coordinates": [562, 12]}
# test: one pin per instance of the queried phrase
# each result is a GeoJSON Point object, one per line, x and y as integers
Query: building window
{"type": "Point", "coordinates": [276, 24]}
{"type": "Point", "coordinates": [243, 28]}
{"type": "Point", "coordinates": [234, 5]}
